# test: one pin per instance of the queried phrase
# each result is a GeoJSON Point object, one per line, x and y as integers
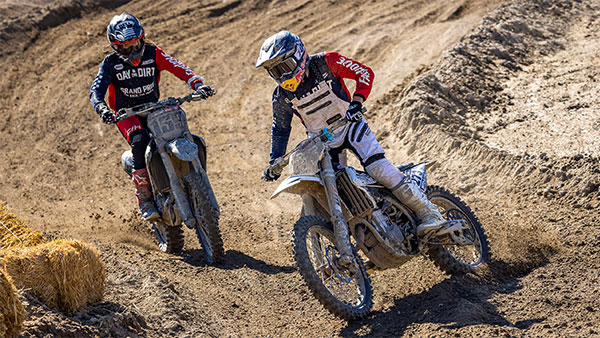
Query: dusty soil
{"type": "Point", "coordinates": [501, 93]}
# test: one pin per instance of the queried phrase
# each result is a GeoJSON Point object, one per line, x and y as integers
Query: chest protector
{"type": "Point", "coordinates": [320, 99]}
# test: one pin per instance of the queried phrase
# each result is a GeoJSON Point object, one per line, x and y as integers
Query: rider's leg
{"type": "Point", "coordinates": [138, 138]}
{"type": "Point", "coordinates": [408, 193]}
{"type": "Point", "coordinates": [363, 143]}
{"type": "Point", "coordinates": [144, 194]}
{"type": "Point", "coordinates": [413, 197]}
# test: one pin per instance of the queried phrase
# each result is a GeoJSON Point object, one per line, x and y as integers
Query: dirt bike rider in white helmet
{"type": "Point", "coordinates": [131, 75]}
{"type": "Point", "coordinates": [312, 88]}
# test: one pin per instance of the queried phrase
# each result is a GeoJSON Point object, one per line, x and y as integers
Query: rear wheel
{"type": "Point", "coordinates": [345, 293]}
{"type": "Point", "coordinates": [206, 210]}
{"type": "Point", "coordinates": [450, 257]}
{"type": "Point", "coordinates": [168, 238]}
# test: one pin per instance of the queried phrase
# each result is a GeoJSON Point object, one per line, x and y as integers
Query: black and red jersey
{"type": "Point", "coordinates": [129, 85]}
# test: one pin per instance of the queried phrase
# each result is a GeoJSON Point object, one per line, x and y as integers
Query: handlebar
{"type": "Point", "coordinates": [145, 108]}
{"type": "Point", "coordinates": [325, 134]}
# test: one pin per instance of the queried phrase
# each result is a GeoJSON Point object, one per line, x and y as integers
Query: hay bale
{"type": "Point", "coordinates": [14, 233]}
{"type": "Point", "coordinates": [65, 274]}
{"type": "Point", "coordinates": [12, 312]}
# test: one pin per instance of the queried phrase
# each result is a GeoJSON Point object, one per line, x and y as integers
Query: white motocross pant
{"type": "Point", "coordinates": [358, 138]}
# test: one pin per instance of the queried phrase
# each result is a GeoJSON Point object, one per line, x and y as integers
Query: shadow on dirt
{"type": "Point", "coordinates": [457, 302]}
{"type": "Point", "coordinates": [235, 260]}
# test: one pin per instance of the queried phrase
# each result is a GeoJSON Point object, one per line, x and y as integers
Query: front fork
{"type": "Point", "coordinates": [340, 227]}
{"type": "Point", "coordinates": [181, 200]}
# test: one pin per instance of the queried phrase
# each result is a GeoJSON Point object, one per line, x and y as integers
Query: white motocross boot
{"type": "Point", "coordinates": [429, 215]}
{"type": "Point", "coordinates": [144, 195]}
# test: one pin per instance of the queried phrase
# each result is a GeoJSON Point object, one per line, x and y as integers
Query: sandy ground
{"type": "Point", "coordinates": [502, 94]}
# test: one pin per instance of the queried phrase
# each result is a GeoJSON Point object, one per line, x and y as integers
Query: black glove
{"type": "Point", "coordinates": [354, 112]}
{"type": "Point", "coordinates": [106, 114]}
{"type": "Point", "coordinates": [204, 90]}
{"type": "Point", "coordinates": [269, 174]}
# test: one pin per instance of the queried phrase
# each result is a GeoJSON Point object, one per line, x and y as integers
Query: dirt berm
{"type": "Point", "coordinates": [501, 94]}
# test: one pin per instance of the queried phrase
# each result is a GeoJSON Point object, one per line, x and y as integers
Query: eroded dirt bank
{"type": "Point", "coordinates": [499, 96]}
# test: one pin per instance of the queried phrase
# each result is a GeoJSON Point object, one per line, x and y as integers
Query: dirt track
{"type": "Point", "coordinates": [503, 97]}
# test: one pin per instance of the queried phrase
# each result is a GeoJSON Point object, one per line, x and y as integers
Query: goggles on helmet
{"type": "Point", "coordinates": [128, 47]}
{"type": "Point", "coordinates": [283, 68]}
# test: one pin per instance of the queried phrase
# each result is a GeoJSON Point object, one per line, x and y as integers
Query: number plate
{"type": "Point", "coordinates": [168, 123]}
{"type": "Point", "coordinates": [305, 160]}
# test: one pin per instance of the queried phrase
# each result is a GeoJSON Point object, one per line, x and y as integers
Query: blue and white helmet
{"type": "Point", "coordinates": [126, 36]}
{"type": "Point", "coordinates": [284, 57]}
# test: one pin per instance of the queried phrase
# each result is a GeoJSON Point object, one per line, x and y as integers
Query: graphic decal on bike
{"type": "Point", "coordinates": [418, 175]}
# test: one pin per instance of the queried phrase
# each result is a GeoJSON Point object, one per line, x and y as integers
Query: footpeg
{"type": "Point", "coordinates": [451, 226]}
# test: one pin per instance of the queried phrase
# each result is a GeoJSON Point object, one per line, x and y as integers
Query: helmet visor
{"type": "Point", "coordinates": [283, 68]}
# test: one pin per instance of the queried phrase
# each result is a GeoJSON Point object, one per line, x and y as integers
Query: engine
{"type": "Point", "coordinates": [388, 224]}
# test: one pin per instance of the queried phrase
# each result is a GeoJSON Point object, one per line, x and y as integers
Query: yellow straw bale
{"type": "Point", "coordinates": [65, 274]}
{"type": "Point", "coordinates": [11, 310]}
{"type": "Point", "coordinates": [14, 233]}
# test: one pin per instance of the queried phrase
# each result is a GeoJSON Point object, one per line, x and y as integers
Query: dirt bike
{"type": "Point", "coordinates": [344, 210]}
{"type": "Point", "coordinates": [176, 162]}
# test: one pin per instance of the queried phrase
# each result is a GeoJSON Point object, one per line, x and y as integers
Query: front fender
{"type": "Point", "coordinates": [298, 184]}
{"type": "Point", "coordinates": [183, 149]}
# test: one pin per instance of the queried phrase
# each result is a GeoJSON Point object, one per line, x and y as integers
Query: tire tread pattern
{"type": "Point", "coordinates": [174, 240]}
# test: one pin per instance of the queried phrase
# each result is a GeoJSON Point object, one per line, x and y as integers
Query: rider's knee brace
{"type": "Point", "coordinates": [139, 142]}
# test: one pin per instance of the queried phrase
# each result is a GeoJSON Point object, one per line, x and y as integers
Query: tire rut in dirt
{"type": "Point", "coordinates": [442, 257]}
{"type": "Point", "coordinates": [205, 208]}
{"type": "Point", "coordinates": [317, 224]}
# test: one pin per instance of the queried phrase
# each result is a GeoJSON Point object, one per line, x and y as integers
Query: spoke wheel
{"type": "Point", "coordinates": [344, 293]}
{"type": "Point", "coordinates": [450, 257]}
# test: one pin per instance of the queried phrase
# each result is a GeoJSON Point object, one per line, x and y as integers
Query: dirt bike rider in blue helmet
{"type": "Point", "coordinates": [131, 75]}
{"type": "Point", "coordinates": [312, 88]}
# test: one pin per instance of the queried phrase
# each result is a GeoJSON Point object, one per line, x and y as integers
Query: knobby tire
{"type": "Point", "coordinates": [206, 210]}
{"type": "Point", "coordinates": [443, 258]}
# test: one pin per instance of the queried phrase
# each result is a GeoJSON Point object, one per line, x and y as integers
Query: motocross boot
{"type": "Point", "coordinates": [429, 215]}
{"type": "Point", "coordinates": [144, 195]}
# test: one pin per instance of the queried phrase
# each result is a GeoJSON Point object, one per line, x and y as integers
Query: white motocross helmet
{"type": "Point", "coordinates": [284, 57]}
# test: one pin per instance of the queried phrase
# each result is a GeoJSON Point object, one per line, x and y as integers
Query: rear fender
{"type": "Point", "coordinates": [299, 184]}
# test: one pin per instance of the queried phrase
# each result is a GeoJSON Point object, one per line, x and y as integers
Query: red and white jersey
{"type": "Point", "coordinates": [321, 98]}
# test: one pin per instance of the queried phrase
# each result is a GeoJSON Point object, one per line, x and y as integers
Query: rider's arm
{"type": "Point", "coordinates": [282, 126]}
{"type": "Point", "coordinates": [101, 84]}
{"type": "Point", "coordinates": [166, 62]}
{"type": "Point", "coordinates": [345, 68]}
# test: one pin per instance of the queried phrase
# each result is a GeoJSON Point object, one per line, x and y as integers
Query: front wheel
{"type": "Point", "coordinates": [344, 293]}
{"type": "Point", "coordinates": [206, 210]}
{"type": "Point", "coordinates": [451, 257]}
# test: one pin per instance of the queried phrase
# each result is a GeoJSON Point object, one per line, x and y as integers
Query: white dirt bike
{"type": "Point", "coordinates": [347, 211]}
{"type": "Point", "coordinates": [176, 162]}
